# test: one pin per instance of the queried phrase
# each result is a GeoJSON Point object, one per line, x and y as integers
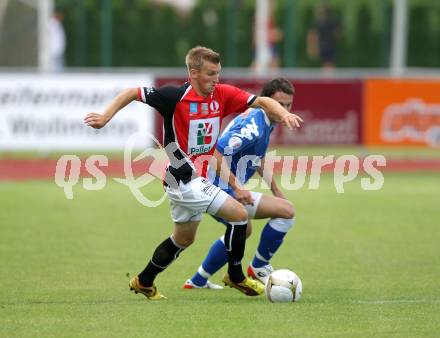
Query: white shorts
{"type": "Point", "coordinates": [190, 200]}
{"type": "Point", "coordinates": [252, 209]}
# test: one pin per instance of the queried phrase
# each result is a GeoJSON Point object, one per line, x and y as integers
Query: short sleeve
{"type": "Point", "coordinates": [231, 144]}
{"type": "Point", "coordinates": [235, 99]}
{"type": "Point", "coordinates": [242, 135]}
{"type": "Point", "coordinates": [163, 99]}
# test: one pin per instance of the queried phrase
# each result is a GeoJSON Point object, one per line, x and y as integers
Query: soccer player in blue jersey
{"type": "Point", "coordinates": [245, 140]}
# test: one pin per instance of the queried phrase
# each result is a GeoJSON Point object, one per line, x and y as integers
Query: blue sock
{"type": "Point", "coordinates": [217, 257]}
{"type": "Point", "coordinates": [270, 241]}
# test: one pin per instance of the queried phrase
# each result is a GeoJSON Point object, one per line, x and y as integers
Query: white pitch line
{"type": "Point", "coordinates": [396, 301]}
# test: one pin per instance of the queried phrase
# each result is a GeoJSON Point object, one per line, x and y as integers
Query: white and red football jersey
{"type": "Point", "coordinates": [192, 122]}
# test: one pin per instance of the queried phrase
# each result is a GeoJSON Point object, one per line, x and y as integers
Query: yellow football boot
{"type": "Point", "coordinates": [150, 292]}
{"type": "Point", "coordinates": [248, 286]}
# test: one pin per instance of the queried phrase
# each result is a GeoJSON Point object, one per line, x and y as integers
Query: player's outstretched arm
{"type": "Point", "coordinates": [277, 113]}
{"type": "Point", "coordinates": [223, 171]}
{"type": "Point", "coordinates": [97, 121]}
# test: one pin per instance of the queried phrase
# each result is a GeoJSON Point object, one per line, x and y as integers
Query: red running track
{"type": "Point", "coordinates": [44, 169]}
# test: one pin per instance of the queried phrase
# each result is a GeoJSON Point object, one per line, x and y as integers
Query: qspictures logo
{"type": "Point", "coordinates": [293, 176]}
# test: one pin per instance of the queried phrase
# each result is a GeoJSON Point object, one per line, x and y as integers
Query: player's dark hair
{"type": "Point", "coordinates": [196, 56]}
{"type": "Point", "coordinates": [279, 84]}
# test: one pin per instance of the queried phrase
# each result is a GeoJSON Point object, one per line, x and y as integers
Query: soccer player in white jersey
{"type": "Point", "coordinates": [246, 140]}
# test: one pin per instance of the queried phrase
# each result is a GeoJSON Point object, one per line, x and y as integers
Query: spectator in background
{"type": "Point", "coordinates": [57, 41]}
{"type": "Point", "coordinates": [322, 36]}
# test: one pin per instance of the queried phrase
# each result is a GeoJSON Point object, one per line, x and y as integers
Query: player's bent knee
{"type": "Point", "coordinates": [243, 214]}
{"type": "Point", "coordinates": [233, 212]}
{"type": "Point", "coordinates": [239, 214]}
{"type": "Point", "coordinates": [287, 210]}
{"type": "Point", "coordinates": [184, 241]}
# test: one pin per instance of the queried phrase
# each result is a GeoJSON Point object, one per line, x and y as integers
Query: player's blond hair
{"type": "Point", "coordinates": [196, 56]}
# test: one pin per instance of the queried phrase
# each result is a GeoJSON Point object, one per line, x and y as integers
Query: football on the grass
{"type": "Point", "coordinates": [283, 286]}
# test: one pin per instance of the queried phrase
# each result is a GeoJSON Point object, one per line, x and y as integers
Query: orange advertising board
{"type": "Point", "coordinates": [401, 112]}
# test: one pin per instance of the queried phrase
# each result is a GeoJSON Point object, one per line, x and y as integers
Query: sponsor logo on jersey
{"type": "Point", "coordinates": [149, 90]}
{"type": "Point", "coordinates": [199, 150]}
{"type": "Point", "coordinates": [234, 142]}
{"type": "Point", "coordinates": [249, 130]}
{"type": "Point", "coordinates": [193, 107]}
{"type": "Point", "coordinates": [204, 108]}
{"type": "Point", "coordinates": [144, 91]}
{"type": "Point", "coordinates": [209, 189]}
{"type": "Point", "coordinates": [214, 106]}
{"type": "Point", "coordinates": [202, 135]}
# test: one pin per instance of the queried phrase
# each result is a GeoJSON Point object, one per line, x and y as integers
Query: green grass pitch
{"type": "Point", "coordinates": [369, 262]}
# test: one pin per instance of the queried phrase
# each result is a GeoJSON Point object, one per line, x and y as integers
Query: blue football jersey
{"type": "Point", "coordinates": [244, 143]}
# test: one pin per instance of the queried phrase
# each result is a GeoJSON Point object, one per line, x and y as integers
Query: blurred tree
{"type": "Point", "coordinates": [423, 37]}
{"type": "Point", "coordinates": [148, 34]}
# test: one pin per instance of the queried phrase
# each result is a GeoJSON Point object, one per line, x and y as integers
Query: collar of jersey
{"type": "Point", "coordinates": [193, 96]}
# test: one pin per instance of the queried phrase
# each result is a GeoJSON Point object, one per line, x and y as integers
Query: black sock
{"type": "Point", "coordinates": [163, 256]}
{"type": "Point", "coordinates": [235, 239]}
